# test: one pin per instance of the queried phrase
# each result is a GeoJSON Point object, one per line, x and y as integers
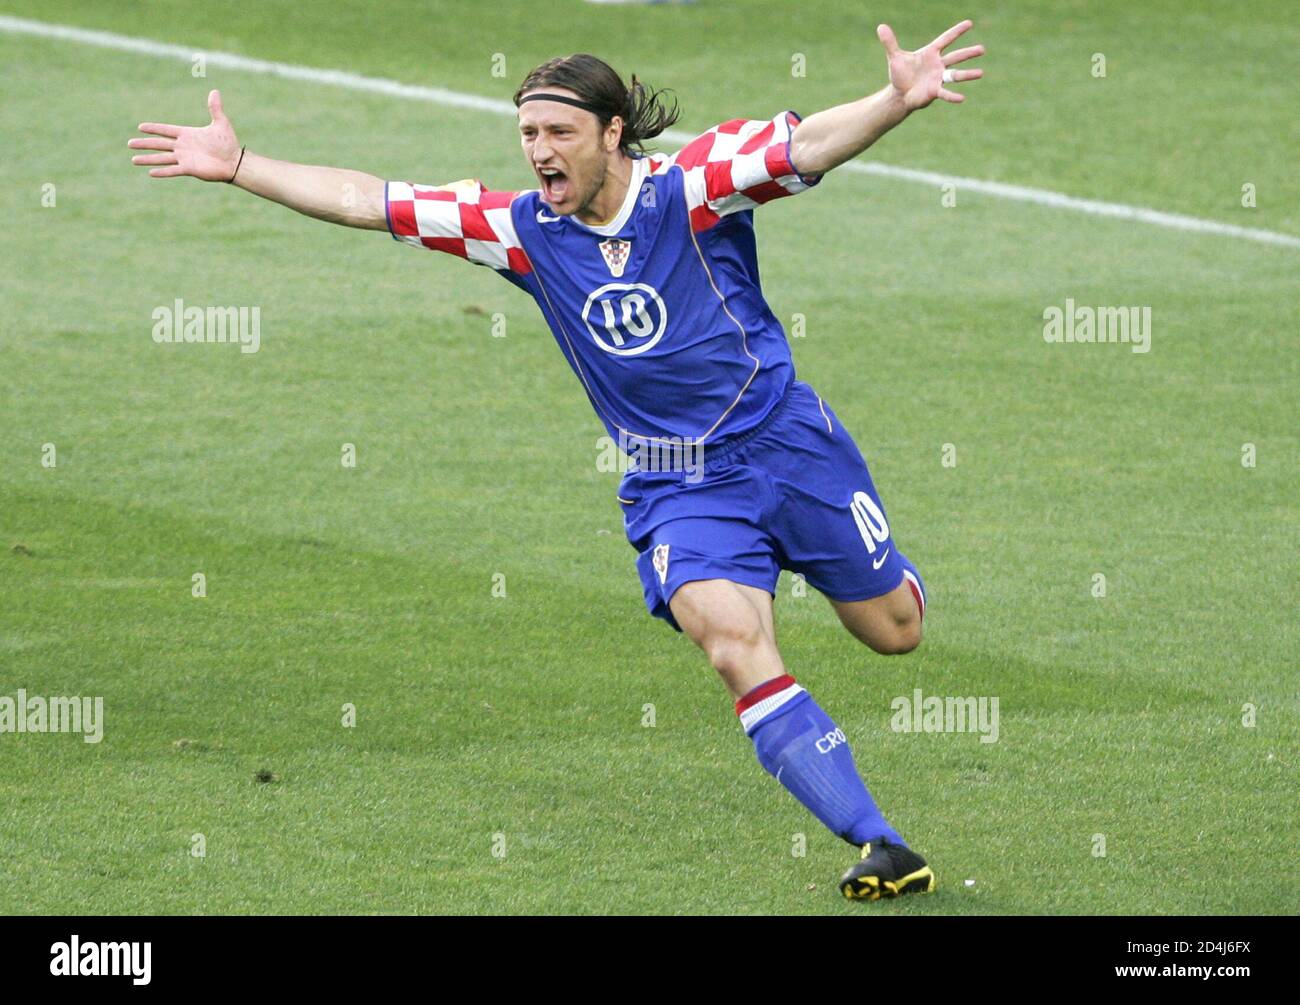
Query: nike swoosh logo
{"type": "Point", "coordinates": [881, 560]}
{"type": "Point", "coordinates": [543, 218]}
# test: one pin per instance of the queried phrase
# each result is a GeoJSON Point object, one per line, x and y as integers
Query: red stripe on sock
{"type": "Point", "coordinates": [764, 690]}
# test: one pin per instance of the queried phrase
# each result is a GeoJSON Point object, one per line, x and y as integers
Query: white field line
{"type": "Point", "coordinates": [456, 99]}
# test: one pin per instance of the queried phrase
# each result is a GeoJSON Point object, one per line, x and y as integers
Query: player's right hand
{"type": "Point", "coordinates": [208, 152]}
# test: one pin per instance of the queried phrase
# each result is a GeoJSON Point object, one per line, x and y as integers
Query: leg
{"type": "Point", "coordinates": [795, 740]}
{"type": "Point", "coordinates": [891, 625]}
{"type": "Point", "coordinates": [800, 496]}
{"type": "Point", "coordinates": [732, 623]}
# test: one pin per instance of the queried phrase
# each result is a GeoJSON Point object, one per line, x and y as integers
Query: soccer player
{"type": "Point", "coordinates": [645, 269]}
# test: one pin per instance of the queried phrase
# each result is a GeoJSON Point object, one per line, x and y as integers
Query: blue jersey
{"type": "Point", "coordinates": [659, 312]}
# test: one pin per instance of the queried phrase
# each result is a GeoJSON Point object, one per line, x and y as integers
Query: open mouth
{"type": "Point", "coordinates": [555, 185]}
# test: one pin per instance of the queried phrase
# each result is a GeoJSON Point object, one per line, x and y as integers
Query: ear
{"type": "Point", "coordinates": [614, 134]}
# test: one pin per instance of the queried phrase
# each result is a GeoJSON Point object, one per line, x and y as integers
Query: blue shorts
{"type": "Point", "coordinates": [793, 493]}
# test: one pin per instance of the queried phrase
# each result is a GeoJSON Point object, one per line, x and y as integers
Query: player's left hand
{"type": "Point", "coordinates": [919, 76]}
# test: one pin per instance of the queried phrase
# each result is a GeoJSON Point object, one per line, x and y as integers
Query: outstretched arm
{"type": "Point", "coordinates": [212, 153]}
{"type": "Point", "coordinates": [829, 138]}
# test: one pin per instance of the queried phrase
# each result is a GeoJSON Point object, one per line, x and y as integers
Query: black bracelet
{"type": "Point", "coordinates": [231, 179]}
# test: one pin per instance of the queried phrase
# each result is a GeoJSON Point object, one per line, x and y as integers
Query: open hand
{"type": "Point", "coordinates": [918, 76]}
{"type": "Point", "coordinates": [208, 152]}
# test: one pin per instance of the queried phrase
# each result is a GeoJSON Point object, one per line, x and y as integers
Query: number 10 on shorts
{"type": "Point", "coordinates": [870, 520]}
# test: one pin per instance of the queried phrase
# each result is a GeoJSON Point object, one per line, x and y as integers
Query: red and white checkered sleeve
{"type": "Point", "coordinates": [462, 218]}
{"type": "Point", "coordinates": [738, 165]}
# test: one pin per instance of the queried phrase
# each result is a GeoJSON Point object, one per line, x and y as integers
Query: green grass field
{"type": "Point", "coordinates": [482, 720]}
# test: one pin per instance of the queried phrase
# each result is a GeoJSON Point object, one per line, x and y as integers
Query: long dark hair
{"type": "Point", "coordinates": [642, 109]}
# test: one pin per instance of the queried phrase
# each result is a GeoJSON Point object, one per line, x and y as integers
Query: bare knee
{"type": "Point", "coordinates": [732, 623]}
{"type": "Point", "coordinates": [734, 647]}
{"type": "Point", "coordinates": [888, 636]}
{"type": "Point", "coordinates": [889, 624]}
{"type": "Point", "coordinates": [897, 638]}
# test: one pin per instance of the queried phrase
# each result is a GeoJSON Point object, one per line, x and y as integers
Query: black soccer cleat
{"type": "Point", "coordinates": [887, 870]}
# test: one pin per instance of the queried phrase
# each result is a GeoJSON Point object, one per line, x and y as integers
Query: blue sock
{"type": "Point", "coordinates": [798, 743]}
